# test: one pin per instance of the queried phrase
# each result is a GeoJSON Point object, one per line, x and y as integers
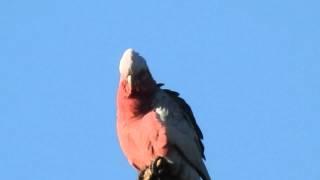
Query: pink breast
{"type": "Point", "coordinates": [143, 139]}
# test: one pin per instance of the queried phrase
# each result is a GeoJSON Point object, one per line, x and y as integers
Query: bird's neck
{"type": "Point", "coordinates": [136, 105]}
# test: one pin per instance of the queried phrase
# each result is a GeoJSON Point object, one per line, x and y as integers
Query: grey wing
{"type": "Point", "coordinates": [188, 114]}
{"type": "Point", "coordinates": [183, 132]}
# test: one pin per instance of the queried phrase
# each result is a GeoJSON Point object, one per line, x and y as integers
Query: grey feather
{"type": "Point", "coordinates": [184, 135]}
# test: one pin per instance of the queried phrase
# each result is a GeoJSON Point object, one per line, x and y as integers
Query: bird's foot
{"type": "Point", "coordinates": [158, 166]}
{"type": "Point", "coordinates": [157, 170]}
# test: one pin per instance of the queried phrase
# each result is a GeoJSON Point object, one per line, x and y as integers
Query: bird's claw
{"type": "Point", "coordinates": [158, 166]}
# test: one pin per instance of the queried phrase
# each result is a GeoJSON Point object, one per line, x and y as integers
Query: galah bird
{"type": "Point", "coordinates": [154, 122]}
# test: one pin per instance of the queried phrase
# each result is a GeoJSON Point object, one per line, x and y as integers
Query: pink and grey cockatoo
{"type": "Point", "coordinates": [154, 122]}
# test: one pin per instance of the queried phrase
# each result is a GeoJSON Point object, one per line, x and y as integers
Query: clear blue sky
{"type": "Point", "coordinates": [249, 69]}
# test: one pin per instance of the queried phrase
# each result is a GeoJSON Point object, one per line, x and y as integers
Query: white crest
{"type": "Point", "coordinates": [130, 62]}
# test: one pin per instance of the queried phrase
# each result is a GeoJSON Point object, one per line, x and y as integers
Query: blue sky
{"type": "Point", "coordinates": [249, 69]}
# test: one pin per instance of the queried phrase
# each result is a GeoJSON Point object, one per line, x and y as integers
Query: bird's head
{"type": "Point", "coordinates": [135, 76]}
